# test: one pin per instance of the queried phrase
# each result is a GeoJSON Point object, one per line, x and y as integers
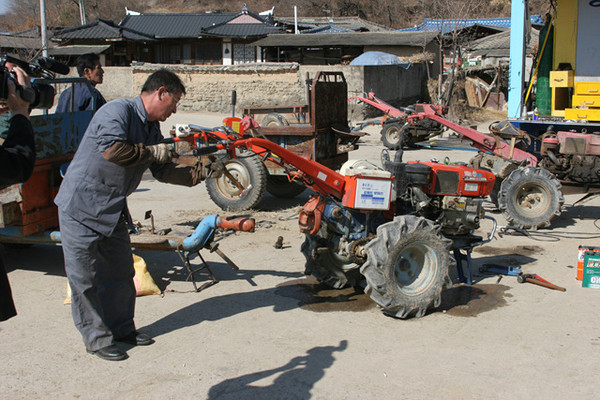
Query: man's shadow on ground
{"type": "Point", "coordinates": [295, 380]}
{"type": "Point", "coordinates": [280, 298]}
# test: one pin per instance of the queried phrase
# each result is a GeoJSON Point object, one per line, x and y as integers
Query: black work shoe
{"type": "Point", "coordinates": [110, 353]}
{"type": "Point", "coordinates": [136, 339]}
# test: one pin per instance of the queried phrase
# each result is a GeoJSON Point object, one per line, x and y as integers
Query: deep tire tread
{"type": "Point", "coordinates": [524, 176]}
{"type": "Point", "coordinates": [378, 270]}
{"type": "Point", "coordinates": [385, 136]}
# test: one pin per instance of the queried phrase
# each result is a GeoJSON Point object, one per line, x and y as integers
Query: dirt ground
{"type": "Point", "coordinates": [269, 332]}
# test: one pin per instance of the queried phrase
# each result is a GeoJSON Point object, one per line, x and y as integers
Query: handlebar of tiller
{"type": "Point", "coordinates": [202, 151]}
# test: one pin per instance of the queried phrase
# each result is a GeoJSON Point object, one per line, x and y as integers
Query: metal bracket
{"type": "Point", "coordinates": [500, 269]}
{"type": "Point", "coordinates": [185, 257]}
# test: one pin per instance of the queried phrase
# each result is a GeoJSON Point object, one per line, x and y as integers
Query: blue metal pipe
{"type": "Point", "coordinates": [191, 243]}
{"type": "Point", "coordinates": [201, 234]}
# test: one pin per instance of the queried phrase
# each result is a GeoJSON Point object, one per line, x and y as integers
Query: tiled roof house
{"type": "Point", "coordinates": [206, 38]}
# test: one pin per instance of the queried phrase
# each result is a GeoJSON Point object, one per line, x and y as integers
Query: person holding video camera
{"type": "Point", "coordinates": [86, 97]}
{"type": "Point", "coordinates": [17, 158]}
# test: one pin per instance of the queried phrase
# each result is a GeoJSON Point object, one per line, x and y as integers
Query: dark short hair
{"type": "Point", "coordinates": [166, 78]}
{"type": "Point", "coordinates": [88, 60]}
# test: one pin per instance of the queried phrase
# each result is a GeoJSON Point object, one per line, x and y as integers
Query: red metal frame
{"type": "Point", "coordinates": [480, 140]}
{"type": "Point", "coordinates": [324, 180]}
{"type": "Point", "coordinates": [433, 112]}
{"type": "Point", "coordinates": [380, 105]}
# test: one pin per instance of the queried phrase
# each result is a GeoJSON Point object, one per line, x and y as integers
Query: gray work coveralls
{"type": "Point", "coordinates": [92, 208]}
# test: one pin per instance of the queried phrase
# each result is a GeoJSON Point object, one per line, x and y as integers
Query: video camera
{"type": "Point", "coordinates": [40, 95]}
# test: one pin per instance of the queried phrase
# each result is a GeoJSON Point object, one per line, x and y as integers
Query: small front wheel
{"type": "Point", "coordinates": [393, 135]}
{"type": "Point", "coordinates": [249, 171]}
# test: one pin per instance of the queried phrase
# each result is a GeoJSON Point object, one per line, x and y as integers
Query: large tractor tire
{"type": "Point", "coordinates": [328, 267]}
{"type": "Point", "coordinates": [248, 169]}
{"type": "Point", "coordinates": [407, 266]}
{"type": "Point", "coordinates": [393, 135]}
{"type": "Point", "coordinates": [530, 198]}
{"type": "Point", "coordinates": [274, 119]}
{"type": "Point", "coordinates": [496, 191]}
{"type": "Point", "coordinates": [280, 186]}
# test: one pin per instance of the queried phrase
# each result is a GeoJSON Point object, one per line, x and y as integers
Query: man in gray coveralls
{"type": "Point", "coordinates": [120, 143]}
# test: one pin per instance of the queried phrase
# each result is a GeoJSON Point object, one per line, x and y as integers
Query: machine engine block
{"type": "Point", "coordinates": [577, 168]}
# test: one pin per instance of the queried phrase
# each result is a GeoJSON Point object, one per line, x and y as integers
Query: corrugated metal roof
{"type": "Point", "coordinates": [498, 45]}
{"type": "Point", "coordinates": [327, 29]}
{"type": "Point", "coordinates": [349, 23]}
{"type": "Point", "coordinates": [15, 42]}
{"type": "Point", "coordinates": [449, 25]}
{"type": "Point", "coordinates": [415, 39]}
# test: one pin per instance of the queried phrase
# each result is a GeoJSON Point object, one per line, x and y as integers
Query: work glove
{"type": "Point", "coordinates": [161, 153]}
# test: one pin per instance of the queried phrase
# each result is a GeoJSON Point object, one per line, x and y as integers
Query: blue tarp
{"type": "Point", "coordinates": [379, 58]}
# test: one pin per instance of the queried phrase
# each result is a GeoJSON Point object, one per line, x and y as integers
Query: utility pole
{"type": "Point", "coordinates": [43, 28]}
{"type": "Point", "coordinates": [82, 12]}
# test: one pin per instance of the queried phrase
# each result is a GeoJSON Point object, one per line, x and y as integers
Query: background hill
{"type": "Point", "coordinates": [24, 14]}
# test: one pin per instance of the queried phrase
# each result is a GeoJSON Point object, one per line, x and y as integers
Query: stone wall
{"type": "Point", "coordinates": [209, 88]}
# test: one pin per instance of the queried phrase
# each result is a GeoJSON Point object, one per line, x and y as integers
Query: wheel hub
{"type": "Point", "coordinates": [414, 269]}
{"type": "Point", "coordinates": [532, 199]}
{"type": "Point", "coordinates": [227, 187]}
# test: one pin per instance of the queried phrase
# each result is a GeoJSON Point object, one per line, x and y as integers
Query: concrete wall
{"type": "Point", "coordinates": [266, 84]}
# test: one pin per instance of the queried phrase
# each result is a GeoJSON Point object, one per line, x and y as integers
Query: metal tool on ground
{"type": "Point", "coordinates": [148, 215]}
{"type": "Point", "coordinates": [500, 269]}
{"type": "Point", "coordinates": [279, 243]}
{"type": "Point", "coordinates": [538, 280]}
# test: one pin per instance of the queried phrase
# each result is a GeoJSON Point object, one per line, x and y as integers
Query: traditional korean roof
{"type": "Point", "coordinates": [176, 26]}
{"type": "Point", "coordinates": [101, 29]}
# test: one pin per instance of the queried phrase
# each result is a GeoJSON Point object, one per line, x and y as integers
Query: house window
{"type": "Point", "coordinates": [187, 54]}
{"type": "Point", "coordinates": [166, 54]}
{"type": "Point", "coordinates": [159, 53]}
{"type": "Point", "coordinates": [208, 53]}
{"type": "Point", "coordinates": [174, 54]}
{"type": "Point", "coordinates": [244, 53]}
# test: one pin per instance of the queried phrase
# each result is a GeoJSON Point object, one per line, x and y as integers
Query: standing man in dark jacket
{"type": "Point", "coordinates": [86, 97]}
{"type": "Point", "coordinates": [17, 157]}
{"type": "Point", "coordinates": [121, 142]}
